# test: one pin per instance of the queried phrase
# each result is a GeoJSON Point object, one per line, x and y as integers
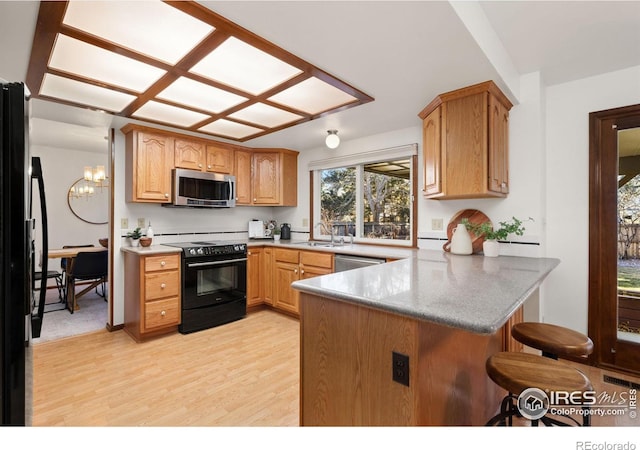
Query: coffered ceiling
{"type": "Point", "coordinates": [179, 64]}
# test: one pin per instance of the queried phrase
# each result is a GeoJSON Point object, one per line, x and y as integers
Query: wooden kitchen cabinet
{"type": "Point", "coordinates": [189, 154]}
{"type": "Point", "coordinates": [148, 163]}
{"type": "Point", "coordinates": [255, 291]}
{"type": "Point", "coordinates": [294, 265]}
{"type": "Point", "coordinates": [219, 159]}
{"type": "Point", "coordinates": [465, 143]}
{"type": "Point", "coordinates": [266, 177]}
{"type": "Point", "coordinates": [152, 294]}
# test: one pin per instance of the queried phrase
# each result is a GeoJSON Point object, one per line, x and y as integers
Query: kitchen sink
{"type": "Point", "coordinates": [316, 244]}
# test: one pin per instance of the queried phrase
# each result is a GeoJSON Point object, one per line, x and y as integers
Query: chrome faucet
{"type": "Point", "coordinates": [325, 230]}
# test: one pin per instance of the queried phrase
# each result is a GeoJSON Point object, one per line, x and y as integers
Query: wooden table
{"type": "Point", "coordinates": [71, 253]}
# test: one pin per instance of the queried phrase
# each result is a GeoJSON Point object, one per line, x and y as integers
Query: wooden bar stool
{"type": "Point", "coordinates": [535, 376]}
{"type": "Point", "coordinates": [553, 340]}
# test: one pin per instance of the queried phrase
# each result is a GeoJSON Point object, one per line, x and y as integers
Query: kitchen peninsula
{"type": "Point", "coordinates": [430, 322]}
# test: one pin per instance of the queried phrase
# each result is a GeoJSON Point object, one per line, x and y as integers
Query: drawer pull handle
{"type": "Point", "coordinates": [163, 285]}
{"type": "Point", "coordinates": [163, 313]}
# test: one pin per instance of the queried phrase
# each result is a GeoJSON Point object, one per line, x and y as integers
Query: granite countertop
{"type": "Point", "coordinates": [377, 251]}
{"type": "Point", "coordinates": [473, 293]}
{"type": "Point", "coordinates": [151, 250]}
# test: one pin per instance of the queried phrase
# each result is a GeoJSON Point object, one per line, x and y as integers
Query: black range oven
{"type": "Point", "coordinates": [214, 284]}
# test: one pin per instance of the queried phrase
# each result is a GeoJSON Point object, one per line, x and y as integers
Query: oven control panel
{"type": "Point", "coordinates": [218, 250]}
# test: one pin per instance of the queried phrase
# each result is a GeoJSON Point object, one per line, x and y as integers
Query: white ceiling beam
{"type": "Point", "coordinates": [476, 22]}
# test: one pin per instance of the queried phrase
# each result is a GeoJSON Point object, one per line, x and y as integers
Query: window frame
{"type": "Point", "coordinates": [359, 161]}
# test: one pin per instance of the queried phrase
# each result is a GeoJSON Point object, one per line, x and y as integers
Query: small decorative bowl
{"type": "Point", "coordinates": [145, 241]}
{"type": "Point", "coordinates": [104, 242]}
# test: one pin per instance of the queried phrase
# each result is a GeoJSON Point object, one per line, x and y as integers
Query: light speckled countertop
{"type": "Point", "coordinates": [151, 250]}
{"type": "Point", "coordinates": [474, 293]}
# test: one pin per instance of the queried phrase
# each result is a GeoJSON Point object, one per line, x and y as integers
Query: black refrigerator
{"type": "Point", "coordinates": [21, 310]}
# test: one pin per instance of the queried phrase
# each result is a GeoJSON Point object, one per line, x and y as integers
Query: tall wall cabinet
{"type": "Point", "coordinates": [466, 143]}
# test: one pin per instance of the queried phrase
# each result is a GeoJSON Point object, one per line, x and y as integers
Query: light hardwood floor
{"type": "Point", "coordinates": [245, 373]}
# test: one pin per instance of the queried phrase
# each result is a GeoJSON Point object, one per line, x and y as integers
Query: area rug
{"type": "Point", "coordinates": [59, 323]}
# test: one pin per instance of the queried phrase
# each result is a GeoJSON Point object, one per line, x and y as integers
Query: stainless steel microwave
{"type": "Point", "coordinates": [202, 189]}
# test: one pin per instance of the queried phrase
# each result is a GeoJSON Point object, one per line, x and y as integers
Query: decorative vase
{"type": "Point", "coordinates": [491, 248]}
{"type": "Point", "coordinates": [461, 241]}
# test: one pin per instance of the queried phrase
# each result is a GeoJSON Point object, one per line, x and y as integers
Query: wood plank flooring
{"type": "Point", "coordinates": [245, 373]}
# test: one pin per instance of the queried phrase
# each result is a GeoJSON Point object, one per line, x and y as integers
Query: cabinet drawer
{"type": "Point", "coordinates": [317, 259]}
{"type": "Point", "coordinates": [161, 285]}
{"type": "Point", "coordinates": [161, 262]}
{"type": "Point", "coordinates": [162, 313]}
{"type": "Point", "coordinates": [283, 255]}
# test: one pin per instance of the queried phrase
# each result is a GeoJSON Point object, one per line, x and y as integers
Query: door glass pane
{"type": "Point", "coordinates": [629, 235]}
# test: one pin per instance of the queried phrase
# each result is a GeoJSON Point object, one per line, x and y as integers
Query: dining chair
{"type": "Point", "coordinates": [87, 266]}
{"type": "Point", "coordinates": [64, 262]}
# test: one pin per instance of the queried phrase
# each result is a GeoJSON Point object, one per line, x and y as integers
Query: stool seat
{"type": "Point", "coordinates": [553, 340]}
{"type": "Point", "coordinates": [516, 372]}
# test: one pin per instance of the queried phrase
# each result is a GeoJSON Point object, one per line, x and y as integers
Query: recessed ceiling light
{"type": "Point", "coordinates": [102, 65]}
{"type": "Point", "coordinates": [161, 112]}
{"type": "Point", "coordinates": [84, 93]}
{"type": "Point", "coordinates": [230, 129]}
{"type": "Point", "coordinates": [313, 96]}
{"type": "Point", "coordinates": [200, 95]}
{"type": "Point", "coordinates": [265, 115]}
{"type": "Point", "coordinates": [236, 63]}
{"type": "Point", "coordinates": [151, 28]}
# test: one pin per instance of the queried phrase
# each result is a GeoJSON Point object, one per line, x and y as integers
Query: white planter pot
{"type": "Point", "coordinates": [276, 237]}
{"type": "Point", "coordinates": [135, 242]}
{"type": "Point", "coordinates": [491, 248]}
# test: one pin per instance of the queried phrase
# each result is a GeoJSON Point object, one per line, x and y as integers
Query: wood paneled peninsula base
{"type": "Point", "coordinates": [446, 313]}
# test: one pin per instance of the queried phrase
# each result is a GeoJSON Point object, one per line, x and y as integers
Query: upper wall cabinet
{"type": "Point", "coordinates": [148, 164]}
{"type": "Point", "coordinates": [466, 143]}
{"type": "Point", "coordinates": [267, 177]}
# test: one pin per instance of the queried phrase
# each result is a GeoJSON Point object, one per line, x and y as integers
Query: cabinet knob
{"type": "Point", "coordinates": [248, 253]}
{"type": "Point", "coordinates": [504, 184]}
{"type": "Point", "coordinates": [163, 313]}
{"type": "Point", "coordinates": [166, 195]}
{"type": "Point", "coordinates": [301, 271]}
{"type": "Point", "coordinates": [209, 166]}
{"type": "Point", "coordinates": [200, 165]}
{"type": "Point", "coordinates": [162, 263]}
{"type": "Point", "coordinates": [163, 285]}
{"type": "Point", "coordinates": [255, 199]}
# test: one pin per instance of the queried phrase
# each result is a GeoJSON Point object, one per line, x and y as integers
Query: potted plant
{"type": "Point", "coordinates": [135, 236]}
{"type": "Point", "coordinates": [276, 234]}
{"type": "Point", "coordinates": [492, 235]}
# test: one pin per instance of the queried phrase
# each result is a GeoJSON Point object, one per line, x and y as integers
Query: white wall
{"type": "Point", "coordinates": [567, 173]}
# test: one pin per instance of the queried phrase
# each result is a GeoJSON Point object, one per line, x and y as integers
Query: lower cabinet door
{"type": "Point", "coordinates": [162, 313]}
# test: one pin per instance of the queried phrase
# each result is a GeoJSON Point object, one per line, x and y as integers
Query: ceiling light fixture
{"type": "Point", "coordinates": [332, 139]}
{"type": "Point", "coordinates": [212, 76]}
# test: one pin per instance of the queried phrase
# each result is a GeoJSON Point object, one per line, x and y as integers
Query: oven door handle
{"type": "Point", "coordinates": [215, 263]}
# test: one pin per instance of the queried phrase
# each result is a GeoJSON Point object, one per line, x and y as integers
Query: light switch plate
{"type": "Point", "coordinates": [141, 223]}
{"type": "Point", "coordinates": [436, 224]}
{"type": "Point", "coordinates": [124, 223]}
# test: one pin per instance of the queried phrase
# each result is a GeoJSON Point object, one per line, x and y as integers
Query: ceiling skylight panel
{"type": "Point", "coordinates": [265, 115]}
{"type": "Point", "coordinates": [77, 57]}
{"type": "Point", "coordinates": [198, 95]}
{"type": "Point", "coordinates": [230, 129]}
{"type": "Point", "coordinates": [161, 112]}
{"type": "Point", "coordinates": [84, 93]}
{"type": "Point", "coordinates": [152, 28]}
{"type": "Point", "coordinates": [244, 67]}
{"type": "Point", "coordinates": [313, 96]}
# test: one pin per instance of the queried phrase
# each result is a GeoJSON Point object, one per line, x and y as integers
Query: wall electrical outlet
{"type": "Point", "coordinates": [124, 223]}
{"type": "Point", "coordinates": [400, 365]}
{"type": "Point", "coordinates": [436, 224]}
{"type": "Point", "coordinates": [141, 223]}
